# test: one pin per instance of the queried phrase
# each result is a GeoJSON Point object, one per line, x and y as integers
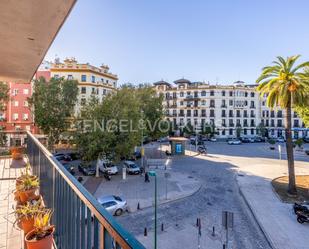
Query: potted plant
{"type": "Point", "coordinates": [17, 152]}
{"type": "Point", "coordinates": [26, 189]}
{"type": "Point", "coordinates": [25, 175]}
{"type": "Point", "coordinates": [41, 237]}
{"type": "Point", "coordinates": [25, 214]}
{"type": "Point", "coordinates": [272, 143]}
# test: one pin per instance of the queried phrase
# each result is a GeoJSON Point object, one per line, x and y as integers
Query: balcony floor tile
{"type": "Point", "coordinates": [10, 236]}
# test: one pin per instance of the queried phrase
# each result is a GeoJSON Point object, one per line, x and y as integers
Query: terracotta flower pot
{"type": "Point", "coordinates": [27, 224]}
{"type": "Point", "coordinates": [27, 195]}
{"type": "Point", "coordinates": [17, 156]}
{"type": "Point", "coordinates": [16, 196]}
{"type": "Point", "coordinates": [45, 243]}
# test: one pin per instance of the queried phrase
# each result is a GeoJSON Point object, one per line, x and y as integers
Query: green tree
{"type": "Point", "coordinates": [303, 112]}
{"type": "Point", "coordinates": [285, 85]}
{"type": "Point", "coordinates": [151, 106]}
{"type": "Point", "coordinates": [238, 131]}
{"type": "Point", "coordinates": [52, 104]}
{"type": "Point", "coordinates": [122, 115]}
{"type": "Point", "coordinates": [261, 130]}
{"type": "Point", "coordinates": [4, 95]}
{"type": "Point", "coordinates": [3, 137]}
{"type": "Point", "coordinates": [302, 109]}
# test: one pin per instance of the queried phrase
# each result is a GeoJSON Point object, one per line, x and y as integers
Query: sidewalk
{"type": "Point", "coordinates": [275, 218]}
{"type": "Point", "coordinates": [135, 190]}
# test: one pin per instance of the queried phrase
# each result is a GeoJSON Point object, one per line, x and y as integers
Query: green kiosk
{"type": "Point", "coordinates": [178, 145]}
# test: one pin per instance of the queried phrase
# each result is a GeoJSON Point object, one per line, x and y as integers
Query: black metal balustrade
{"type": "Point", "coordinates": [80, 221]}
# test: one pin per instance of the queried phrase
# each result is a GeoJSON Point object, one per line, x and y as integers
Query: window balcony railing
{"type": "Point", "coordinates": [80, 220]}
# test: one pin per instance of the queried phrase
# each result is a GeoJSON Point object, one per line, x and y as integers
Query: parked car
{"type": "Point", "coordinates": [131, 168]}
{"type": "Point", "coordinates": [234, 141]}
{"type": "Point", "coordinates": [69, 168]}
{"type": "Point", "coordinates": [107, 166]}
{"type": "Point", "coordinates": [62, 158]}
{"type": "Point", "coordinates": [163, 139]}
{"type": "Point", "coordinates": [73, 156]}
{"type": "Point", "coordinates": [87, 170]}
{"type": "Point", "coordinates": [115, 205]}
{"type": "Point", "coordinates": [198, 142]}
{"type": "Point", "coordinates": [247, 140]}
{"type": "Point", "coordinates": [259, 139]}
{"type": "Point", "coordinates": [213, 139]}
{"type": "Point", "coordinates": [280, 140]}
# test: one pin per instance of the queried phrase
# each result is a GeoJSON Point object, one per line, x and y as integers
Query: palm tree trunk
{"type": "Point", "coordinates": [290, 153]}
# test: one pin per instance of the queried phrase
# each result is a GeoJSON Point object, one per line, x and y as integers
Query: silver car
{"type": "Point", "coordinates": [234, 142]}
{"type": "Point", "coordinates": [113, 204]}
{"type": "Point", "coordinates": [131, 168]}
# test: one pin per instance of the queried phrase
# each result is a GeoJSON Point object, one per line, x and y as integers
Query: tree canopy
{"type": "Point", "coordinates": [52, 103]}
{"type": "Point", "coordinates": [4, 95]}
{"type": "Point", "coordinates": [286, 86]}
{"type": "Point", "coordinates": [116, 125]}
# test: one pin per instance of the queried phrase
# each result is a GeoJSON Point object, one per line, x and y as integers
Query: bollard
{"type": "Point", "coordinates": [213, 231]}
{"type": "Point", "coordinates": [138, 206]}
{"type": "Point", "coordinates": [197, 222]}
{"type": "Point", "coordinates": [162, 227]}
{"type": "Point", "coordinates": [145, 231]}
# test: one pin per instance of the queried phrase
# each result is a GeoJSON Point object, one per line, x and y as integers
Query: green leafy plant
{"type": "Point", "coordinates": [42, 225]}
{"type": "Point", "coordinates": [27, 183]}
{"type": "Point", "coordinates": [271, 141]}
{"type": "Point", "coordinates": [286, 86]}
{"type": "Point", "coordinates": [30, 210]}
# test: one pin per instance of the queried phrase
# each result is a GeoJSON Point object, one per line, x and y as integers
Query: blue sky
{"type": "Point", "coordinates": [202, 40]}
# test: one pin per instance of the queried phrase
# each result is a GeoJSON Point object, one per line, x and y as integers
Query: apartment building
{"type": "Point", "coordinates": [232, 109]}
{"type": "Point", "coordinates": [92, 81]}
{"type": "Point", "coordinates": [17, 118]}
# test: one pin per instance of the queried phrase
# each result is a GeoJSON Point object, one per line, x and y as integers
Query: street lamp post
{"type": "Point", "coordinates": [153, 173]}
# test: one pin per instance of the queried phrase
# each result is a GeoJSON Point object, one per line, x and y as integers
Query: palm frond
{"type": "Point", "coordinates": [300, 66]}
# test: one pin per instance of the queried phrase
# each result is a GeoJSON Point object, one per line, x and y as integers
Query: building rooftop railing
{"type": "Point", "coordinates": [80, 221]}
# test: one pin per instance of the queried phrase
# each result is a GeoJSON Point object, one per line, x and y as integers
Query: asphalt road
{"type": "Point", "coordinates": [219, 192]}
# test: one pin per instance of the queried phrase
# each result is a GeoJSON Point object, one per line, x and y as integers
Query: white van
{"type": "Point", "coordinates": [107, 166]}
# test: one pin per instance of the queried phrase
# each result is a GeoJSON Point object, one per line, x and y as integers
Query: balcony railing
{"type": "Point", "coordinates": [81, 222]}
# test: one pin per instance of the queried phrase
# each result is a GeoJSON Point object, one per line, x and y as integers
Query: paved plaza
{"type": "Point", "coordinates": [222, 173]}
{"type": "Point", "coordinates": [136, 191]}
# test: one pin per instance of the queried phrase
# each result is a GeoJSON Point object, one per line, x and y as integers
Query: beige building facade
{"type": "Point", "coordinates": [235, 109]}
{"type": "Point", "coordinates": [92, 80]}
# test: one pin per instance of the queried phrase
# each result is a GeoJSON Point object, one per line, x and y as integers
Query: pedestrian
{"type": "Point", "coordinates": [146, 177]}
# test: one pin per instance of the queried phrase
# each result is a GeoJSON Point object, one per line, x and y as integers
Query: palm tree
{"type": "Point", "coordinates": [285, 86]}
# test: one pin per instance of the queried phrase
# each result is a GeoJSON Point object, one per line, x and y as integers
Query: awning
{"type": "Point", "coordinates": [27, 29]}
